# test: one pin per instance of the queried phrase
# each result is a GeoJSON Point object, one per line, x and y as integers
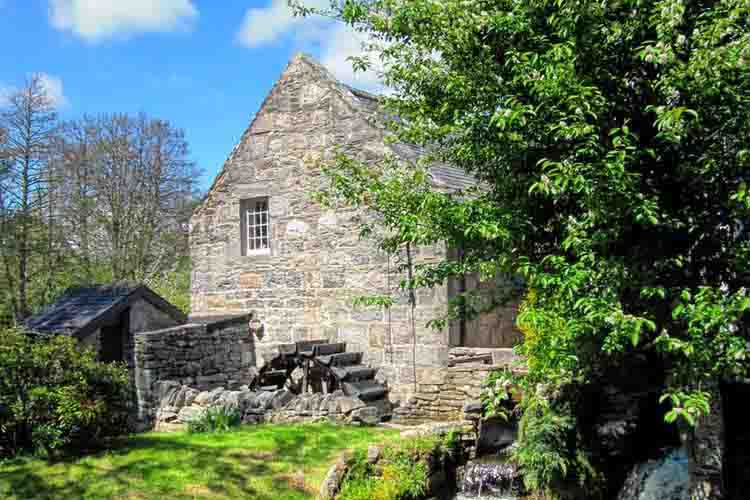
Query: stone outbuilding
{"type": "Point", "coordinates": [105, 317]}
{"type": "Point", "coordinates": [261, 244]}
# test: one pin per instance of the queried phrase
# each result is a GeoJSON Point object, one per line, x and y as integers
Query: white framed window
{"type": "Point", "coordinates": [256, 227]}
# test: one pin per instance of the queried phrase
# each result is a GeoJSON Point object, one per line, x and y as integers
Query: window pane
{"type": "Point", "coordinates": [257, 225]}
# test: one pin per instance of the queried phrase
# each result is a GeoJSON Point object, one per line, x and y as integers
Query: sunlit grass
{"type": "Point", "coordinates": [264, 462]}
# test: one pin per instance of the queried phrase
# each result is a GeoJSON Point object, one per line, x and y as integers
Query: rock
{"type": "Point", "coordinates": [215, 395]}
{"type": "Point", "coordinates": [496, 434]}
{"type": "Point", "coordinates": [302, 405]}
{"type": "Point", "coordinates": [203, 398]}
{"type": "Point", "coordinates": [473, 410]}
{"type": "Point", "coordinates": [165, 390]}
{"type": "Point", "coordinates": [348, 404]}
{"type": "Point", "coordinates": [333, 406]}
{"type": "Point", "coordinates": [332, 482]}
{"type": "Point", "coordinates": [373, 453]}
{"type": "Point", "coordinates": [246, 400]}
{"type": "Point", "coordinates": [265, 399]}
{"type": "Point", "coordinates": [663, 479]}
{"type": "Point", "coordinates": [281, 399]}
{"type": "Point", "coordinates": [166, 416]}
{"type": "Point", "coordinates": [190, 395]}
{"type": "Point", "coordinates": [229, 400]}
{"type": "Point", "coordinates": [189, 413]}
{"type": "Point", "coordinates": [366, 416]}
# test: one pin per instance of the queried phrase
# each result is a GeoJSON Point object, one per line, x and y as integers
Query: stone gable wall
{"type": "Point", "coordinates": [203, 356]}
{"type": "Point", "coordinates": [317, 264]}
{"type": "Point", "coordinates": [305, 287]}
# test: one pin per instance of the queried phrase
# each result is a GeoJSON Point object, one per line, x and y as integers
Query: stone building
{"type": "Point", "coordinates": [260, 244]}
{"type": "Point", "coordinates": [106, 318]}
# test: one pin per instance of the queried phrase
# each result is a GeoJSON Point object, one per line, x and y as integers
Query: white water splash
{"type": "Point", "coordinates": [662, 479]}
{"type": "Point", "coordinates": [489, 478]}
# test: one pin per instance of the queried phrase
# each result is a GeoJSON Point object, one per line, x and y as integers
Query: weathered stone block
{"type": "Point", "coordinates": [251, 280]}
{"type": "Point", "coordinates": [366, 415]}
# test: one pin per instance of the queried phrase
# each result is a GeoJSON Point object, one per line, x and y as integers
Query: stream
{"type": "Point", "coordinates": [489, 478]}
{"type": "Point", "coordinates": [494, 478]}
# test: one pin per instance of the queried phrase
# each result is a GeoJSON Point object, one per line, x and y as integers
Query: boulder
{"type": "Point", "coordinates": [332, 482]}
{"type": "Point", "coordinates": [189, 413]}
{"type": "Point", "coordinates": [281, 399]}
{"type": "Point", "coordinates": [373, 453]}
{"type": "Point", "coordinates": [165, 390]}
{"type": "Point", "coordinates": [366, 416]}
{"type": "Point", "coordinates": [473, 410]}
{"type": "Point", "coordinates": [229, 400]}
{"type": "Point", "coordinates": [349, 404]}
{"type": "Point", "coordinates": [265, 399]}
{"type": "Point", "coordinates": [496, 434]}
{"type": "Point", "coordinates": [203, 398]}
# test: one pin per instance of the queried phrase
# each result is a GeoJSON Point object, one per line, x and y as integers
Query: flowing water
{"type": "Point", "coordinates": [663, 479]}
{"type": "Point", "coordinates": [489, 478]}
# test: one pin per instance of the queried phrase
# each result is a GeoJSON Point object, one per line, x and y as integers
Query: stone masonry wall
{"type": "Point", "coordinates": [203, 356]}
{"type": "Point", "coordinates": [180, 404]}
{"type": "Point", "coordinates": [443, 395]}
{"type": "Point", "coordinates": [304, 287]}
{"type": "Point", "coordinates": [143, 317]}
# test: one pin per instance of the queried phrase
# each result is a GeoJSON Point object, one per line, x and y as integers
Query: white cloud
{"type": "Point", "coordinates": [267, 24]}
{"type": "Point", "coordinates": [95, 20]}
{"type": "Point", "coordinates": [334, 41]}
{"type": "Point", "coordinates": [52, 85]}
{"type": "Point", "coordinates": [342, 43]}
{"type": "Point", "coordinates": [54, 88]}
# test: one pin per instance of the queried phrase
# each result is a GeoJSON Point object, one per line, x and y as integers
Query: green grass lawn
{"type": "Point", "coordinates": [262, 462]}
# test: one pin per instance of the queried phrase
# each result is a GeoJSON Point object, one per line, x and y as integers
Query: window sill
{"type": "Point", "coordinates": [256, 253]}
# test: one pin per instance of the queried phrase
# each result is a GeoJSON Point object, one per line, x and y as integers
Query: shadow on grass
{"type": "Point", "coordinates": [219, 473]}
{"type": "Point", "coordinates": [233, 465]}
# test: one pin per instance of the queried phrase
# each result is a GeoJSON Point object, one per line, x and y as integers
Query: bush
{"type": "Point", "coordinates": [215, 420]}
{"type": "Point", "coordinates": [550, 450]}
{"type": "Point", "coordinates": [402, 472]}
{"type": "Point", "coordinates": [56, 397]}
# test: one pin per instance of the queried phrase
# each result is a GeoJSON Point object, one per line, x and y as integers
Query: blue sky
{"type": "Point", "coordinates": [204, 65]}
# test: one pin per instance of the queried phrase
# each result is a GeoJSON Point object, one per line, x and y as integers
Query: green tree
{"type": "Point", "coordinates": [611, 140]}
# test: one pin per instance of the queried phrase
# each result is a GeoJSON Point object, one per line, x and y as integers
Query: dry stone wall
{"type": "Point", "coordinates": [201, 355]}
{"type": "Point", "coordinates": [179, 404]}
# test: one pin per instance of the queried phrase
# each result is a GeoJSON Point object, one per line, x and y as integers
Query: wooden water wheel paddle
{"type": "Point", "coordinates": [321, 367]}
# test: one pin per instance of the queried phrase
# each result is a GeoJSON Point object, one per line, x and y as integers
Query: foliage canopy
{"type": "Point", "coordinates": [55, 396]}
{"type": "Point", "coordinates": [612, 142]}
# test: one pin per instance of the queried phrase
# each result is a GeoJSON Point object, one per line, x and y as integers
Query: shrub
{"type": "Point", "coordinates": [550, 450]}
{"type": "Point", "coordinates": [401, 474]}
{"type": "Point", "coordinates": [56, 397]}
{"type": "Point", "coordinates": [215, 420]}
{"type": "Point", "coordinates": [497, 394]}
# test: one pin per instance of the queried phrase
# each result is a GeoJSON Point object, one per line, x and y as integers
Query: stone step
{"type": "Point", "coordinates": [354, 373]}
{"type": "Point", "coordinates": [341, 359]}
{"type": "Point", "coordinates": [327, 349]}
{"type": "Point", "coordinates": [366, 390]}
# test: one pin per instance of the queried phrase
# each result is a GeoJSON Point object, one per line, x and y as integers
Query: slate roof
{"type": "Point", "coordinates": [443, 175]}
{"type": "Point", "coordinates": [81, 310]}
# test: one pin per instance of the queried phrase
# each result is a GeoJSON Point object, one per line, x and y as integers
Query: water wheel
{"type": "Point", "coordinates": [319, 366]}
